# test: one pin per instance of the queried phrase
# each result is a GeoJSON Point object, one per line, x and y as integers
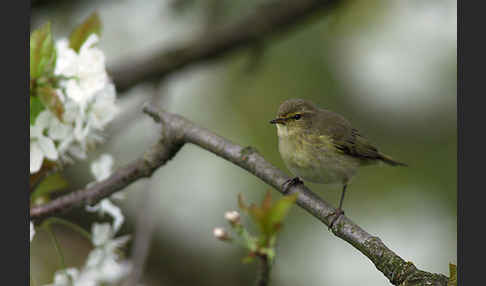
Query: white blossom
{"type": "Point", "coordinates": [103, 238]}
{"type": "Point", "coordinates": [106, 206]}
{"type": "Point", "coordinates": [103, 265]}
{"type": "Point", "coordinates": [232, 216]}
{"type": "Point", "coordinates": [88, 99]}
{"type": "Point", "coordinates": [32, 231]}
{"type": "Point", "coordinates": [102, 232]}
{"type": "Point", "coordinates": [89, 102]}
{"type": "Point", "coordinates": [41, 146]}
{"type": "Point", "coordinates": [103, 109]}
{"type": "Point", "coordinates": [108, 272]}
{"type": "Point", "coordinates": [102, 167]}
{"type": "Point", "coordinates": [65, 277]}
{"type": "Point", "coordinates": [59, 131]}
{"type": "Point", "coordinates": [220, 233]}
{"type": "Point", "coordinates": [86, 70]}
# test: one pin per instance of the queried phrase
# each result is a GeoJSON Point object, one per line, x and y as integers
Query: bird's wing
{"type": "Point", "coordinates": [347, 139]}
{"type": "Point", "coordinates": [356, 145]}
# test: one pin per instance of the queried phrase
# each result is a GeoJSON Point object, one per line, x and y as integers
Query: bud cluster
{"type": "Point", "coordinates": [232, 216]}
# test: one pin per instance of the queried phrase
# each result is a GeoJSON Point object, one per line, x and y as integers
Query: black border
{"type": "Point", "coordinates": [15, 23]}
{"type": "Point", "coordinates": [471, 142]}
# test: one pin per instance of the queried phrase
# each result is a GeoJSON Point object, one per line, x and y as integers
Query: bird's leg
{"type": "Point", "coordinates": [339, 211]}
{"type": "Point", "coordinates": [291, 182]}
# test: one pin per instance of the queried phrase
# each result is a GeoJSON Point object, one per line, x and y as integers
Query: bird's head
{"type": "Point", "coordinates": [295, 115]}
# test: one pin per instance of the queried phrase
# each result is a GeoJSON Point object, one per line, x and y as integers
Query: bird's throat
{"type": "Point", "coordinates": [284, 131]}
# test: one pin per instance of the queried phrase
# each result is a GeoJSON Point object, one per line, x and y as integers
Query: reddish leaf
{"type": "Point", "coordinates": [92, 25]}
{"type": "Point", "coordinates": [51, 100]}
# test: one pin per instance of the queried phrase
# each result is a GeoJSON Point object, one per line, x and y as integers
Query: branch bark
{"type": "Point", "coordinates": [264, 271]}
{"type": "Point", "coordinates": [176, 131]}
{"type": "Point", "coordinates": [267, 19]}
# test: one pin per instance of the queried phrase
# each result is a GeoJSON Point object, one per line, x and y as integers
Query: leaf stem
{"type": "Point", "coordinates": [264, 274]}
{"type": "Point", "coordinates": [56, 244]}
{"type": "Point", "coordinates": [70, 225]}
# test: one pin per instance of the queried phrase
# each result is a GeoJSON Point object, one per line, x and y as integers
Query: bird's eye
{"type": "Point", "coordinates": [297, 116]}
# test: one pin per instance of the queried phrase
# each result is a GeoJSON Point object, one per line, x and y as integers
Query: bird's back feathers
{"type": "Point", "coordinates": [349, 140]}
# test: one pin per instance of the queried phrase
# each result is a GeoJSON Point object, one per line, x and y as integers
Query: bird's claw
{"type": "Point", "coordinates": [291, 182]}
{"type": "Point", "coordinates": [337, 214]}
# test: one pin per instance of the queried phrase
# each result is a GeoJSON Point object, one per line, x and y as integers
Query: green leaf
{"type": "Point", "coordinates": [92, 25]}
{"type": "Point", "coordinates": [259, 217]}
{"type": "Point", "coordinates": [42, 52]}
{"type": "Point", "coordinates": [49, 97]}
{"type": "Point", "coordinates": [36, 107]}
{"type": "Point", "coordinates": [279, 211]}
{"type": "Point", "coordinates": [50, 184]}
{"type": "Point", "coordinates": [452, 275]}
{"type": "Point", "coordinates": [269, 216]}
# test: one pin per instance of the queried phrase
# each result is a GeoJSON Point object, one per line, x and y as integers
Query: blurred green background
{"type": "Point", "coordinates": [387, 66]}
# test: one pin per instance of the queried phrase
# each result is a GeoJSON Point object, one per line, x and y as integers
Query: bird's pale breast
{"type": "Point", "coordinates": [314, 158]}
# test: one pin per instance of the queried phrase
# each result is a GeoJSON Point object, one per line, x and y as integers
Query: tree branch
{"type": "Point", "coordinates": [176, 131]}
{"type": "Point", "coordinates": [266, 20]}
{"type": "Point", "coordinates": [264, 271]}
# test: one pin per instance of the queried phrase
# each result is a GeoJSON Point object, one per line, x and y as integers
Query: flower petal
{"type": "Point", "coordinates": [35, 131]}
{"type": "Point", "coordinates": [101, 233]}
{"type": "Point", "coordinates": [66, 60]}
{"type": "Point", "coordinates": [77, 151]}
{"type": "Point", "coordinates": [106, 206]}
{"type": "Point", "coordinates": [102, 167]}
{"type": "Point", "coordinates": [48, 148]}
{"type": "Point", "coordinates": [59, 130]}
{"type": "Point", "coordinates": [36, 157]}
{"type": "Point", "coordinates": [89, 42]}
{"type": "Point", "coordinates": [43, 119]}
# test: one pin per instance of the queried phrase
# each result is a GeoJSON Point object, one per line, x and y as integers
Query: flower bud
{"type": "Point", "coordinates": [220, 233]}
{"type": "Point", "coordinates": [232, 216]}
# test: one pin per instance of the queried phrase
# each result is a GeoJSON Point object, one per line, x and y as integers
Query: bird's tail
{"type": "Point", "coordinates": [390, 161]}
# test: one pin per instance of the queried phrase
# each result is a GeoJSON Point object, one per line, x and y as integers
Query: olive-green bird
{"type": "Point", "coordinates": [321, 146]}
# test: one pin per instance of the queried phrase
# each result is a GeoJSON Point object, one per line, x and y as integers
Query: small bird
{"type": "Point", "coordinates": [321, 146]}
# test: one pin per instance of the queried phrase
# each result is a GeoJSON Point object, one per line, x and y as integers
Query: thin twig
{"type": "Point", "coordinates": [177, 131]}
{"type": "Point", "coordinates": [266, 20]}
{"type": "Point", "coordinates": [264, 271]}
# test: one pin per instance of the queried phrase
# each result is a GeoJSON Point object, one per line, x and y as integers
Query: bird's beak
{"type": "Point", "coordinates": [278, 121]}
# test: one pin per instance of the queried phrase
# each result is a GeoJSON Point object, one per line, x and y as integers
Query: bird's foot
{"type": "Point", "coordinates": [291, 182]}
{"type": "Point", "coordinates": [337, 214]}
